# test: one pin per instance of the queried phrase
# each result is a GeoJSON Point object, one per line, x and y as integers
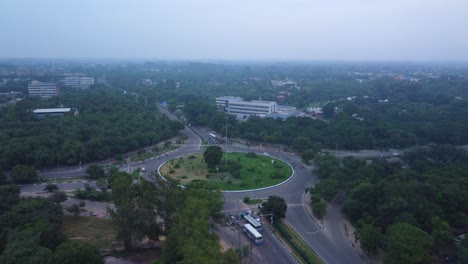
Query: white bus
{"type": "Point", "coordinates": [256, 224]}
{"type": "Point", "coordinates": [253, 234]}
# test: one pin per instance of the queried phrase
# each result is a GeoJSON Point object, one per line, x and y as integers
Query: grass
{"type": "Point", "coordinates": [256, 172]}
{"type": "Point", "coordinates": [300, 248]}
{"type": "Point", "coordinates": [255, 201]}
{"type": "Point", "coordinates": [97, 231]}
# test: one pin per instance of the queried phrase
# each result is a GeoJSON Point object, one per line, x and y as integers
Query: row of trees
{"type": "Point", "coordinates": [409, 211]}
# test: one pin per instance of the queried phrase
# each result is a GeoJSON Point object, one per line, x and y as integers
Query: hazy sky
{"type": "Point", "coordinates": [236, 29]}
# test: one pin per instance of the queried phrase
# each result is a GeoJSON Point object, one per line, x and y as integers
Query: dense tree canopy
{"type": "Point", "coordinates": [429, 194]}
{"type": "Point", "coordinates": [108, 123]}
{"type": "Point", "coordinates": [408, 244]}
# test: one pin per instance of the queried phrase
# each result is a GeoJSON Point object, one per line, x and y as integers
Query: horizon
{"type": "Point", "coordinates": [209, 30]}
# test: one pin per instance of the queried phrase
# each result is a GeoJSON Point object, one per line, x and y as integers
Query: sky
{"type": "Point", "coordinates": [305, 30]}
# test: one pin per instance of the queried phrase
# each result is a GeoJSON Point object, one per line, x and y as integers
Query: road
{"type": "Point", "coordinates": [329, 242]}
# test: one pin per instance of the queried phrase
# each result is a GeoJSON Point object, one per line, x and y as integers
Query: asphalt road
{"type": "Point", "coordinates": [329, 242]}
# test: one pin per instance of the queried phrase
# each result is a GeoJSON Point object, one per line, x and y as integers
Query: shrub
{"type": "Point", "coordinates": [246, 199]}
{"type": "Point", "coordinates": [177, 166]}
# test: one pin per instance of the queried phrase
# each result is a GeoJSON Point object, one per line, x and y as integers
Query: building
{"type": "Point", "coordinates": [42, 89]}
{"type": "Point", "coordinates": [243, 109]}
{"type": "Point", "coordinates": [78, 82]}
{"type": "Point", "coordinates": [54, 112]}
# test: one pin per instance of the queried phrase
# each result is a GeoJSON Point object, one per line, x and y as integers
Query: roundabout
{"type": "Point", "coordinates": [241, 172]}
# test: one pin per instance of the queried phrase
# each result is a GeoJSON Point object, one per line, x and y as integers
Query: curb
{"type": "Point", "coordinates": [239, 191]}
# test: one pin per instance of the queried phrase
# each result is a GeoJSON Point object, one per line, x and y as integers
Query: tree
{"type": "Point", "coordinates": [95, 171]}
{"type": "Point", "coordinates": [9, 196]}
{"type": "Point", "coordinates": [212, 156]}
{"type": "Point", "coordinates": [319, 208]}
{"type": "Point", "coordinates": [3, 178]}
{"type": "Point", "coordinates": [369, 236]}
{"type": "Point", "coordinates": [408, 244]}
{"type": "Point", "coordinates": [134, 214]}
{"type": "Point", "coordinates": [24, 250]}
{"type": "Point", "coordinates": [75, 252]}
{"type": "Point", "coordinates": [23, 174]}
{"type": "Point", "coordinates": [74, 209]}
{"type": "Point", "coordinates": [51, 188]}
{"type": "Point", "coordinates": [58, 197]}
{"type": "Point", "coordinates": [190, 239]}
{"type": "Point", "coordinates": [307, 155]}
{"type": "Point", "coordinates": [277, 206]}
{"type": "Point", "coordinates": [440, 232]}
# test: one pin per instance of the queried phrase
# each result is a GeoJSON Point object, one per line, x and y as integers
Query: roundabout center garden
{"type": "Point", "coordinates": [243, 171]}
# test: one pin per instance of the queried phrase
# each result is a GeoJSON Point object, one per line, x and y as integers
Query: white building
{"type": "Point", "coordinates": [42, 89]}
{"type": "Point", "coordinates": [242, 109]}
{"type": "Point", "coordinates": [78, 82]}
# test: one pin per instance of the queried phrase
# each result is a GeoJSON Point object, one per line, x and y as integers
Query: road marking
{"type": "Point", "coordinates": [313, 232]}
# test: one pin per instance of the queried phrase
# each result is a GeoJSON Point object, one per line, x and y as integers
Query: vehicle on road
{"type": "Point", "coordinates": [254, 223]}
{"type": "Point", "coordinates": [253, 234]}
{"type": "Point", "coordinates": [143, 169]}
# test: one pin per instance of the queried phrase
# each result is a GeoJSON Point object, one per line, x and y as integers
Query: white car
{"type": "Point", "coordinates": [143, 169]}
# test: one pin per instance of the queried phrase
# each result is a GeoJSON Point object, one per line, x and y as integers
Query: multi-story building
{"type": "Point", "coordinates": [42, 89]}
{"type": "Point", "coordinates": [78, 82]}
{"type": "Point", "coordinates": [242, 109]}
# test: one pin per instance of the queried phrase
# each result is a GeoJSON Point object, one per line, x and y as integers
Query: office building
{"type": "Point", "coordinates": [243, 109]}
{"type": "Point", "coordinates": [78, 82]}
{"type": "Point", "coordinates": [42, 89]}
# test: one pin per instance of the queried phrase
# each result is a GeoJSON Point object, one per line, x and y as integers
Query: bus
{"type": "Point", "coordinates": [254, 223]}
{"type": "Point", "coordinates": [253, 234]}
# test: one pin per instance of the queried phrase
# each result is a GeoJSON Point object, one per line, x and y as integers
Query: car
{"type": "Point", "coordinates": [143, 169]}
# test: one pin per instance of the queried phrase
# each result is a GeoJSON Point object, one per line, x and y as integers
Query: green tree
{"type": "Point", "coordinates": [74, 209]}
{"type": "Point", "coordinates": [9, 196]}
{"type": "Point", "coordinates": [75, 252]}
{"type": "Point", "coordinates": [24, 250]}
{"type": "Point", "coordinates": [58, 197]}
{"type": "Point", "coordinates": [277, 206]}
{"type": "Point", "coordinates": [3, 178]}
{"type": "Point", "coordinates": [134, 213]}
{"type": "Point", "coordinates": [213, 155]}
{"type": "Point", "coordinates": [23, 174]}
{"type": "Point", "coordinates": [408, 244]}
{"type": "Point", "coordinates": [319, 208]}
{"type": "Point", "coordinates": [95, 171]}
{"type": "Point", "coordinates": [190, 239]}
{"type": "Point", "coordinates": [369, 236]}
{"type": "Point", "coordinates": [441, 232]}
{"type": "Point", "coordinates": [230, 257]}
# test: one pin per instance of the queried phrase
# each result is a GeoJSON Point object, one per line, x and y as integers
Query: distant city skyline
{"type": "Point", "coordinates": [303, 30]}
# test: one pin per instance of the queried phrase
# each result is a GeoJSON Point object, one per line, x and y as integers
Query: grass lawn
{"type": "Point", "coordinates": [255, 172]}
{"type": "Point", "coordinates": [97, 231]}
